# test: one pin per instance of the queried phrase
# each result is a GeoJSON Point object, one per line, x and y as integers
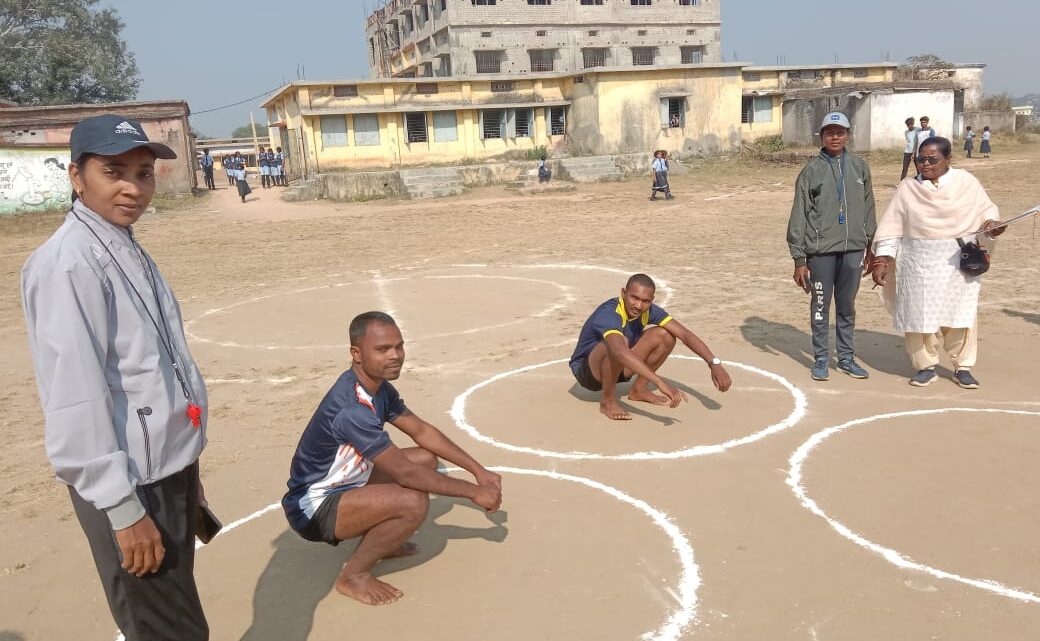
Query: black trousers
{"type": "Point", "coordinates": [163, 606]}
{"type": "Point", "coordinates": [906, 164]}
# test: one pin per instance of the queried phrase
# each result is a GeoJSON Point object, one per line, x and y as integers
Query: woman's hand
{"type": "Point", "coordinates": [990, 228]}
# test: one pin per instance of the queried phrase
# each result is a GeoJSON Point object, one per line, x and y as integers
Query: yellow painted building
{"type": "Point", "coordinates": [686, 109]}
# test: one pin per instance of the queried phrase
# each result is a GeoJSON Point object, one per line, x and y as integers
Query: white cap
{"type": "Point", "coordinates": [835, 118]}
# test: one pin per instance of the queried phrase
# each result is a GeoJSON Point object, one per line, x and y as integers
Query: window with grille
{"type": "Point", "coordinates": [641, 3]}
{"type": "Point", "coordinates": [426, 88]}
{"type": "Point", "coordinates": [485, 34]}
{"type": "Point", "coordinates": [424, 11]}
{"type": "Point", "coordinates": [504, 85]}
{"type": "Point", "coordinates": [641, 32]}
{"type": "Point", "coordinates": [591, 2]}
{"type": "Point", "coordinates": [415, 127]}
{"type": "Point", "coordinates": [643, 55]}
{"type": "Point", "coordinates": [752, 77]}
{"type": "Point", "coordinates": [542, 59]}
{"type": "Point", "coordinates": [594, 57]}
{"type": "Point", "coordinates": [523, 120]}
{"type": "Point", "coordinates": [480, 3]}
{"type": "Point", "coordinates": [366, 130]}
{"type": "Point", "coordinates": [691, 32]}
{"type": "Point", "coordinates": [444, 5]}
{"type": "Point", "coordinates": [488, 61]}
{"type": "Point", "coordinates": [689, 3]}
{"type": "Point", "coordinates": [755, 109]}
{"type": "Point", "coordinates": [675, 112]}
{"type": "Point", "coordinates": [593, 32]}
{"type": "Point", "coordinates": [539, 2]}
{"type": "Point", "coordinates": [692, 55]}
{"type": "Point", "coordinates": [345, 91]}
{"type": "Point", "coordinates": [492, 122]}
{"type": "Point", "coordinates": [540, 33]}
{"type": "Point", "coordinates": [557, 121]}
{"type": "Point", "coordinates": [333, 131]}
{"type": "Point", "coordinates": [859, 73]}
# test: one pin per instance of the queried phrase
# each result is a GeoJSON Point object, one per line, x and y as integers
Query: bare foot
{"type": "Point", "coordinates": [367, 589]}
{"type": "Point", "coordinates": [407, 549]}
{"type": "Point", "coordinates": [613, 410]}
{"type": "Point", "coordinates": [647, 397]}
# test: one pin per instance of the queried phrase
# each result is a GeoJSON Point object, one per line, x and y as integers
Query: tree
{"type": "Point", "coordinates": [926, 66]}
{"type": "Point", "coordinates": [246, 131]}
{"type": "Point", "coordinates": [64, 52]}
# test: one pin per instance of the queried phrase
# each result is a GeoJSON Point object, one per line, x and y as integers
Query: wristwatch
{"type": "Point", "coordinates": [715, 361]}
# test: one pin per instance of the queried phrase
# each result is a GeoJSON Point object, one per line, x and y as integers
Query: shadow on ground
{"type": "Point", "coordinates": [1026, 316]}
{"type": "Point", "coordinates": [300, 573]}
{"type": "Point", "coordinates": [875, 350]}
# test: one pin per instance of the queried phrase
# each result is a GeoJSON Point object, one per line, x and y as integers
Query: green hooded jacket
{"type": "Point", "coordinates": [815, 226]}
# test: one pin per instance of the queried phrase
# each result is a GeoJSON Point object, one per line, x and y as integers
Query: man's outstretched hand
{"type": "Point", "coordinates": [488, 496]}
{"type": "Point", "coordinates": [720, 377]}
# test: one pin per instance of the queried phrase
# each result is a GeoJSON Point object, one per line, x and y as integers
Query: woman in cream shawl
{"type": "Point", "coordinates": [917, 260]}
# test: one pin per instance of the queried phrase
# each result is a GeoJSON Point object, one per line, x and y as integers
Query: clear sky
{"type": "Point", "coordinates": [216, 53]}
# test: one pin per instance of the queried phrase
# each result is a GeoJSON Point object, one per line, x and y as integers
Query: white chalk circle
{"type": "Point", "coordinates": [794, 480]}
{"type": "Point", "coordinates": [564, 298]}
{"type": "Point", "coordinates": [689, 576]}
{"type": "Point", "coordinates": [458, 414]}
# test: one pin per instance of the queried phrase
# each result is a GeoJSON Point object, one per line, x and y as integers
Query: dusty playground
{"type": "Point", "coordinates": [695, 523]}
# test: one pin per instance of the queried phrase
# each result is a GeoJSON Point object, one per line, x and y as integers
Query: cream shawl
{"type": "Point", "coordinates": [919, 210]}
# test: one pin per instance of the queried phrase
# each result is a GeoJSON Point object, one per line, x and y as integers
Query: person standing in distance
{"type": "Point", "coordinates": [910, 150]}
{"type": "Point", "coordinates": [124, 402]}
{"type": "Point", "coordinates": [206, 163]}
{"type": "Point", "coordinates": [832, 224]}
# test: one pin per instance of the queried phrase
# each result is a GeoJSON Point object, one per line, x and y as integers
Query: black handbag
{"type": "Point", "coordinates": [974, 258]}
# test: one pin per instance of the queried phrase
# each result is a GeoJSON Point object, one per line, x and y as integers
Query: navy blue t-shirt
{"type": "Point", "coordinates": [336, 450]}
{"type": "Point", "coordinates": [612, 318]}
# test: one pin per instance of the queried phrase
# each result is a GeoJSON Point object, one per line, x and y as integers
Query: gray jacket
{"type": "Point", "coordinates": [814, 226]}
{"type": "Point", "coordinates": [116, 415]}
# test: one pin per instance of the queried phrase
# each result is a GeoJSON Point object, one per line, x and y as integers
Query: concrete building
{"type": "Point", "coordinates": [34, 150]}
{"type": "Point", "coordinates": [444, 38]}
{"type": "Point", "coordinates": [325, 126]}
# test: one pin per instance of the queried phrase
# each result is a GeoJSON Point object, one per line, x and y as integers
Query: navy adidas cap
{"type": "Point", "coordinates": [111, 135]}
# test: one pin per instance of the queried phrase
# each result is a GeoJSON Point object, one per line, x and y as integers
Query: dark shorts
{"type": "Point", "coordinates": [322, 526]}
{"type": "Point", "coordinates": [585, 378]}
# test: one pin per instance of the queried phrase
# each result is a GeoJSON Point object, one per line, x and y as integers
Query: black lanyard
{"type": "Point", "coordinates": [165, 335]}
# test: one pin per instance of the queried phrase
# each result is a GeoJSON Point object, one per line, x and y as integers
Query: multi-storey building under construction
{"type": "Point", "coordinates": [425, 38]}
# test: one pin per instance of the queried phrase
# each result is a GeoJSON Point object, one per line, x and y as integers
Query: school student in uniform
{"type": "Point", "coordinates": [238, 161]}
{"type": "Point", "coordinates": [279, 163]}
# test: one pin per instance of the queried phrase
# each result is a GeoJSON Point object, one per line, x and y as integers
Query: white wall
{"type": "Point", "coordinates": [889, 110]}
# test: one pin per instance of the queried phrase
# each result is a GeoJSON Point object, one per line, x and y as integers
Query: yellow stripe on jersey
{"type": "Point", "coordinates": [665, 321]}
{"type": "Point", "coordinates": [612, 331]}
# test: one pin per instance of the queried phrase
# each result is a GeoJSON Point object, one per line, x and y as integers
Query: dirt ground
{"type": "Point", "coordinates": [591, 542]}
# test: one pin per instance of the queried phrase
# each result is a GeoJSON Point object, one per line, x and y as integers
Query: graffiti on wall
{"type": "Point", "coordinates": [34, 180]}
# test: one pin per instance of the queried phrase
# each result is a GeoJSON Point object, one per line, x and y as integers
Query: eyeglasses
{"type": "Point", "coordinates": [930, 160]}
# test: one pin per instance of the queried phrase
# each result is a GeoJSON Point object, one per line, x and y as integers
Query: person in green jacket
{"type": "Point", "coordinates": [831, 227]}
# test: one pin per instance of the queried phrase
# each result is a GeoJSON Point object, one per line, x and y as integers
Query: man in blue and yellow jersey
{"type": "Point", "coordinates": [630, 336]}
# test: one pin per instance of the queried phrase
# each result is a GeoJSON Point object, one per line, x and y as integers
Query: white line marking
{"type": "Point", "coordinates": [458, 414]}
{"type": "Point", "coordinates": [380, 282]}
{"type": "Point", "coordinates": [794, 480]}
{"type": "Point", "coordinates": [250, 381]}
{"type": "Point", "coordinates": [384, 297]}
{"type": "Point", "coordinates": [689, 574]}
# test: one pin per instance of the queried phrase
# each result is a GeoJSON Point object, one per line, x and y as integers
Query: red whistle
{"type": "Point", "coordinates": [195, 414]}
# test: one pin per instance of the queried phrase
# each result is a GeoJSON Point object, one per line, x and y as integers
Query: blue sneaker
{"type": "Point", "coordinates": [821, 369]}
{"type": "Point", "coordinates": [964, 378]}
{"type": "Point", "coordinates": [923, 378]}
{"type": "Point", "coordinates": [852, 368]}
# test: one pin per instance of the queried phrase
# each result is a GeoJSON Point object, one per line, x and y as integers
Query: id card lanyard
{"type": "Point", "coordinates": [194, 411]}
{"type": "Point", "coordinates": [840, 179]}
